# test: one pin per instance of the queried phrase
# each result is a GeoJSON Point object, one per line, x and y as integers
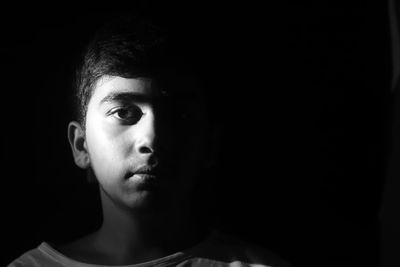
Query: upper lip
{"type": "Point", "coordinates": [147, 170]}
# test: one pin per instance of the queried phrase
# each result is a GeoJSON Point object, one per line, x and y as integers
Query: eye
{"type": "Point", "coordinates": [128, 115]}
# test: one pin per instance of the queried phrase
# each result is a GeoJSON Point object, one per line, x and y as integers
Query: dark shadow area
{"type": "Point", "coordinates": [304, 96]}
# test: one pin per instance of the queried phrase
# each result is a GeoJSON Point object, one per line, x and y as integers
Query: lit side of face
{"type": "Point", "coordinates": [143, 145]}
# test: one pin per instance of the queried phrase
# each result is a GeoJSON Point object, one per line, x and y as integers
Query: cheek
{"type": "Point", "coordinates": [106, 152]}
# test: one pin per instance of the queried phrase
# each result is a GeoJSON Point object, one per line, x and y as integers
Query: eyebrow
{"type": "Point", "coordinates": [125, 97]}
{"type": "Point", "coordinates": [129, 97]}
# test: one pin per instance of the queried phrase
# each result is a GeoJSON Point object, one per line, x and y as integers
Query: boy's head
{"type": "Point", "coordinates": [142, 124]}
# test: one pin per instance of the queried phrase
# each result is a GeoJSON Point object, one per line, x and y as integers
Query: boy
{"type": "Point", "coordinates": [144, 135]}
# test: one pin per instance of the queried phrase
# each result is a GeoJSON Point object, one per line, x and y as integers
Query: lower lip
{"type": "Point", "coordinates": [146, 180]}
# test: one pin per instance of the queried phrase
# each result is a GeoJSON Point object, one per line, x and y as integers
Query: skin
{"type": "Point", "coordinates": [131, 123]}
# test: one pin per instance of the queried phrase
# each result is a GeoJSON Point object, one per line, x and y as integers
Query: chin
{"type": "Point", "coordinates": [143, 200]}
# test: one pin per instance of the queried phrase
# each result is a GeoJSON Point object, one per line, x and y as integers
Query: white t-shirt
{"type": "Point", "coordinates": [217, 250]}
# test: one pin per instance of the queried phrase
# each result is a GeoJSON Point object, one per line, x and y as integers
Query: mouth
{"type": "Point", "coordinates": [146, 177]}
{"type": "Point", "coordinates": [148, 172]}
{"type": "Point", "coordinates": [146, 181]}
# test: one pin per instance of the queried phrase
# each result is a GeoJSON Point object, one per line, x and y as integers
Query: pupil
{"type": "Point", "coordinates": [123, 113]}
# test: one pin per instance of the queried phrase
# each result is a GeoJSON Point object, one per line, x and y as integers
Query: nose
{"type": "Point", "coordinates": [145, 135]}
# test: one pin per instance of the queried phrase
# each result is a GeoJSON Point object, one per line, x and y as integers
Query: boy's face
{"type": "Point", "coordinates": [145, 146]}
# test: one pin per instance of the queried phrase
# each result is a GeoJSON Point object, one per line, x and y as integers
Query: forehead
{"type": "Point", "coordinates": [114, 84]}
{"type": "Point", "coordinates": [109, 86]}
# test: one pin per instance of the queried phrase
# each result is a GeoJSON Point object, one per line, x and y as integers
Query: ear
{"type": "Point", "coordinates": [77, 140]}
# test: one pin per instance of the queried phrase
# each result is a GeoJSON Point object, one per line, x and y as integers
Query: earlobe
{"type": "Point", "coordinates": [77, 140]}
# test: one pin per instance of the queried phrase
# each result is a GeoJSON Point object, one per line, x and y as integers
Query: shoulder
{"type": "Point", "coordinates": [230, 249]}
{"type": "Point", "coordinates": [36, 257]}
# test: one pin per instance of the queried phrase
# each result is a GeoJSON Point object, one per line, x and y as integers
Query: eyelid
{"type": "Point", "coordinates": [114, 110]}
{"type": "Point", "coordinates": [123, 106]}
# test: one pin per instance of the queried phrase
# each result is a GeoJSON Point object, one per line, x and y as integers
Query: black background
{"type": "Point", "coordinates": [304, 94]}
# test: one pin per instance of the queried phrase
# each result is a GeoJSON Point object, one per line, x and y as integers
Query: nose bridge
{"type": "Point", "coordinates": [146, 133]}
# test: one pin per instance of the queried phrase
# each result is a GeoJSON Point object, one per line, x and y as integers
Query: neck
{"type": "Point", "coordinates": [149, 234]}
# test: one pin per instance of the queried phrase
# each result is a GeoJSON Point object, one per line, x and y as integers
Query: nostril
{"type": "Point", "coordinates": [145, 150]}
